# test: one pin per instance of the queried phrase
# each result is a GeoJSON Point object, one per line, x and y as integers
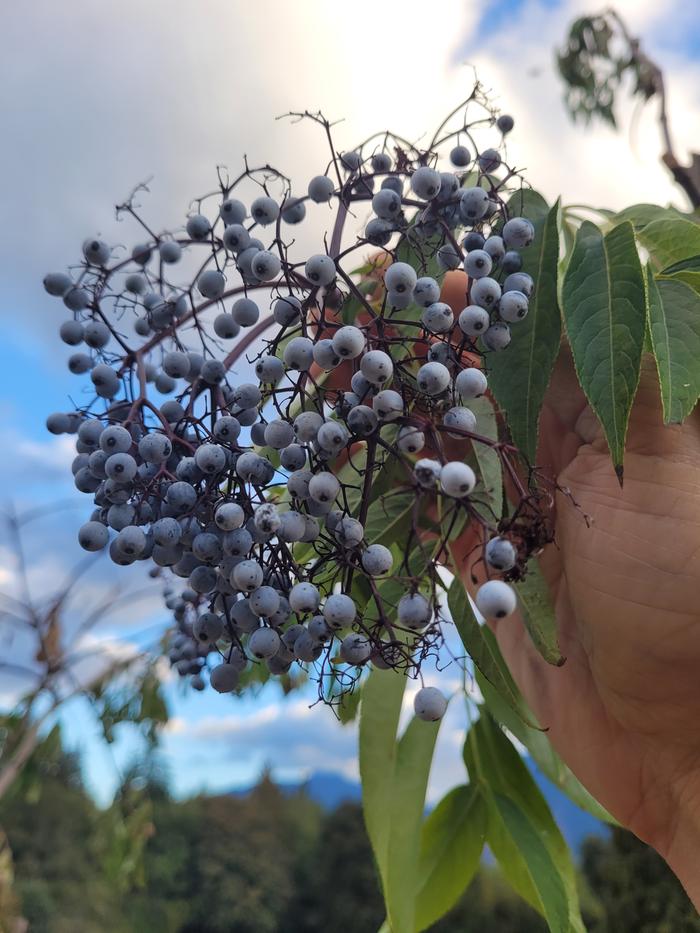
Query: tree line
{"type": "Point", "coordinates": [270, 861]}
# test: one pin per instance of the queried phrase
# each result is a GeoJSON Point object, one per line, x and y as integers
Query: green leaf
{"type": "Point", "coordinates": [568, 233]}
{"type": "Point", "coordinates": [691, 277]}
{"type": "Point", "coordinates": [353, 306]}
{"type": "Point", "coordinates": [477, 646]}
{"type": "Point", "coordinates": [641, 215]}
{"type": "Point", "coordinates": [541, 867]}
{"type": "Point", "coordinates": [493, 761]}
{"type": "Point", "coordinates": [361, 592]}
{"type": "Point", "coordinates": [604, 302]}
{"type": "Point", "coordinates": [527, 203]}
{"type": "Point", "coordinates": [538, 614]}
{"type": "Point", "coordinates": [348, 706]}
{"type": "Point", "coordinates": [674, 323]}
{"type": "Point", "coordinates": [422, 255]}
{"type": "Point", "coordinates": [691, 264]}
{"type": "Point", "coordinates": [388, 518]}
{"type": "Point", "coordinates": [454, 519]}
{"type": "Point", "coordinates": [499, 840]}
{"type": "Point", "coordinates": [519, 378]}
{"type": "Point", "coordinates": [670, 241]}
{"type": "Point", "coordinates": [451, 844]}
{"type": "Point", "coordinates": [351, 473]}
{"type": "Point", "coordinates": [487, 459]}
{"type": "Point", "coordinates": [411, 772]}
{"type": "Point", "coordinates": [380, 707]}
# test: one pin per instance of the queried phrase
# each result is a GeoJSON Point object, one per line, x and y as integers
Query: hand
{"type": "Point", "coordinates": [624, 710]}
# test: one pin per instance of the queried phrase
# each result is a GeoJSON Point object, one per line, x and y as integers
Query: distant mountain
{"type": "Point", "coordinates": [329, 789]}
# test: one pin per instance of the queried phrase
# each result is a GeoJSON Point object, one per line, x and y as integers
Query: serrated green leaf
{"type": "Point", "coordinates": [476, 645]}
{"type": "Point", "coordinates": [641, 215]}
{"type": "Point", "coordinates": [411, 772]}
{"type": "Point", "coordinates": [451, 844]}
{"type": "Point", "coordinates": [538, 614]}
{"type": "Point", "coordinates": [568, 234]}
{"type": "Point", "coordinates": [380, 707]}
{"type": "Point", "coordinates": [670, 241]}
{"type": "Point", "coordinates": [487, 459]}
{"type": "Point", "coordinates": [527, 203]}
{"type": "Point", "coordinates": [648, 346]}
{"type": "Point", "coordinates": [519, 378]}
{"type": "Point", "coordinates": [604, 305]}
{"type": "Point", "coordinates": [674, 324]}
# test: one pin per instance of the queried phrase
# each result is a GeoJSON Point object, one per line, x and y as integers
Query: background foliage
{"type": "Point", "coordinates": [272, 862]}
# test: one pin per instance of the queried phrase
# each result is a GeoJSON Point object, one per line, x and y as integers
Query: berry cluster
{"type": "Point", "coordinates": [309, 503]}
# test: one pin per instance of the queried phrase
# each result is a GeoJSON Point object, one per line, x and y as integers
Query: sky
{"type": "Point", "coordinates": [98, 97]}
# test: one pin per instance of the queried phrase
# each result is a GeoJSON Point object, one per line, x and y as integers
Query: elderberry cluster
{"type": "Point", "coordinates": [291, 435]}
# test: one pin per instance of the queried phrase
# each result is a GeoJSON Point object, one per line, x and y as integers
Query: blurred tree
{"type": "Point", "coordinates": [49, 657]}
{"type": "Point", "coordinates": [11, 920]}
{"type": "Point", "coordinates": [52, 826]}
{"type": "Point", "coordinates": [636, 888]}
{"type": "Point", "coordinates": [337, 888]}
{"type": "Point", "coordinates": [270, 861]}
{"type": "Point", "coordinates": [600, 55]}
{"type": "Point", "coordinates": [246, 851]}
{"type": "Point", "coordinates": [490, 905]}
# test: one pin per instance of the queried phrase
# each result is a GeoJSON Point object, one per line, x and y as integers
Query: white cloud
{"type": "Point", "coordinates": [298, 739]}
{"type": "Point", "coordinates": [92, 656]}
{"type": "Point", "coordinates": [37, 463]}
{"type": "Point", "coordinates": [56, 452]}
{"type": "Point", "coordinates": [202, 86]}
{"type": "Point", "coordinates": [593, 165]}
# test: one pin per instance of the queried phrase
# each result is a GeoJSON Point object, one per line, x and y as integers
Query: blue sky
{"type": "Point", "coordinates": [114, 94]}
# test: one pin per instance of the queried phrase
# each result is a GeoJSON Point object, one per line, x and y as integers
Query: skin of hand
{"type": "Point", "coordinates": [624, 710]}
